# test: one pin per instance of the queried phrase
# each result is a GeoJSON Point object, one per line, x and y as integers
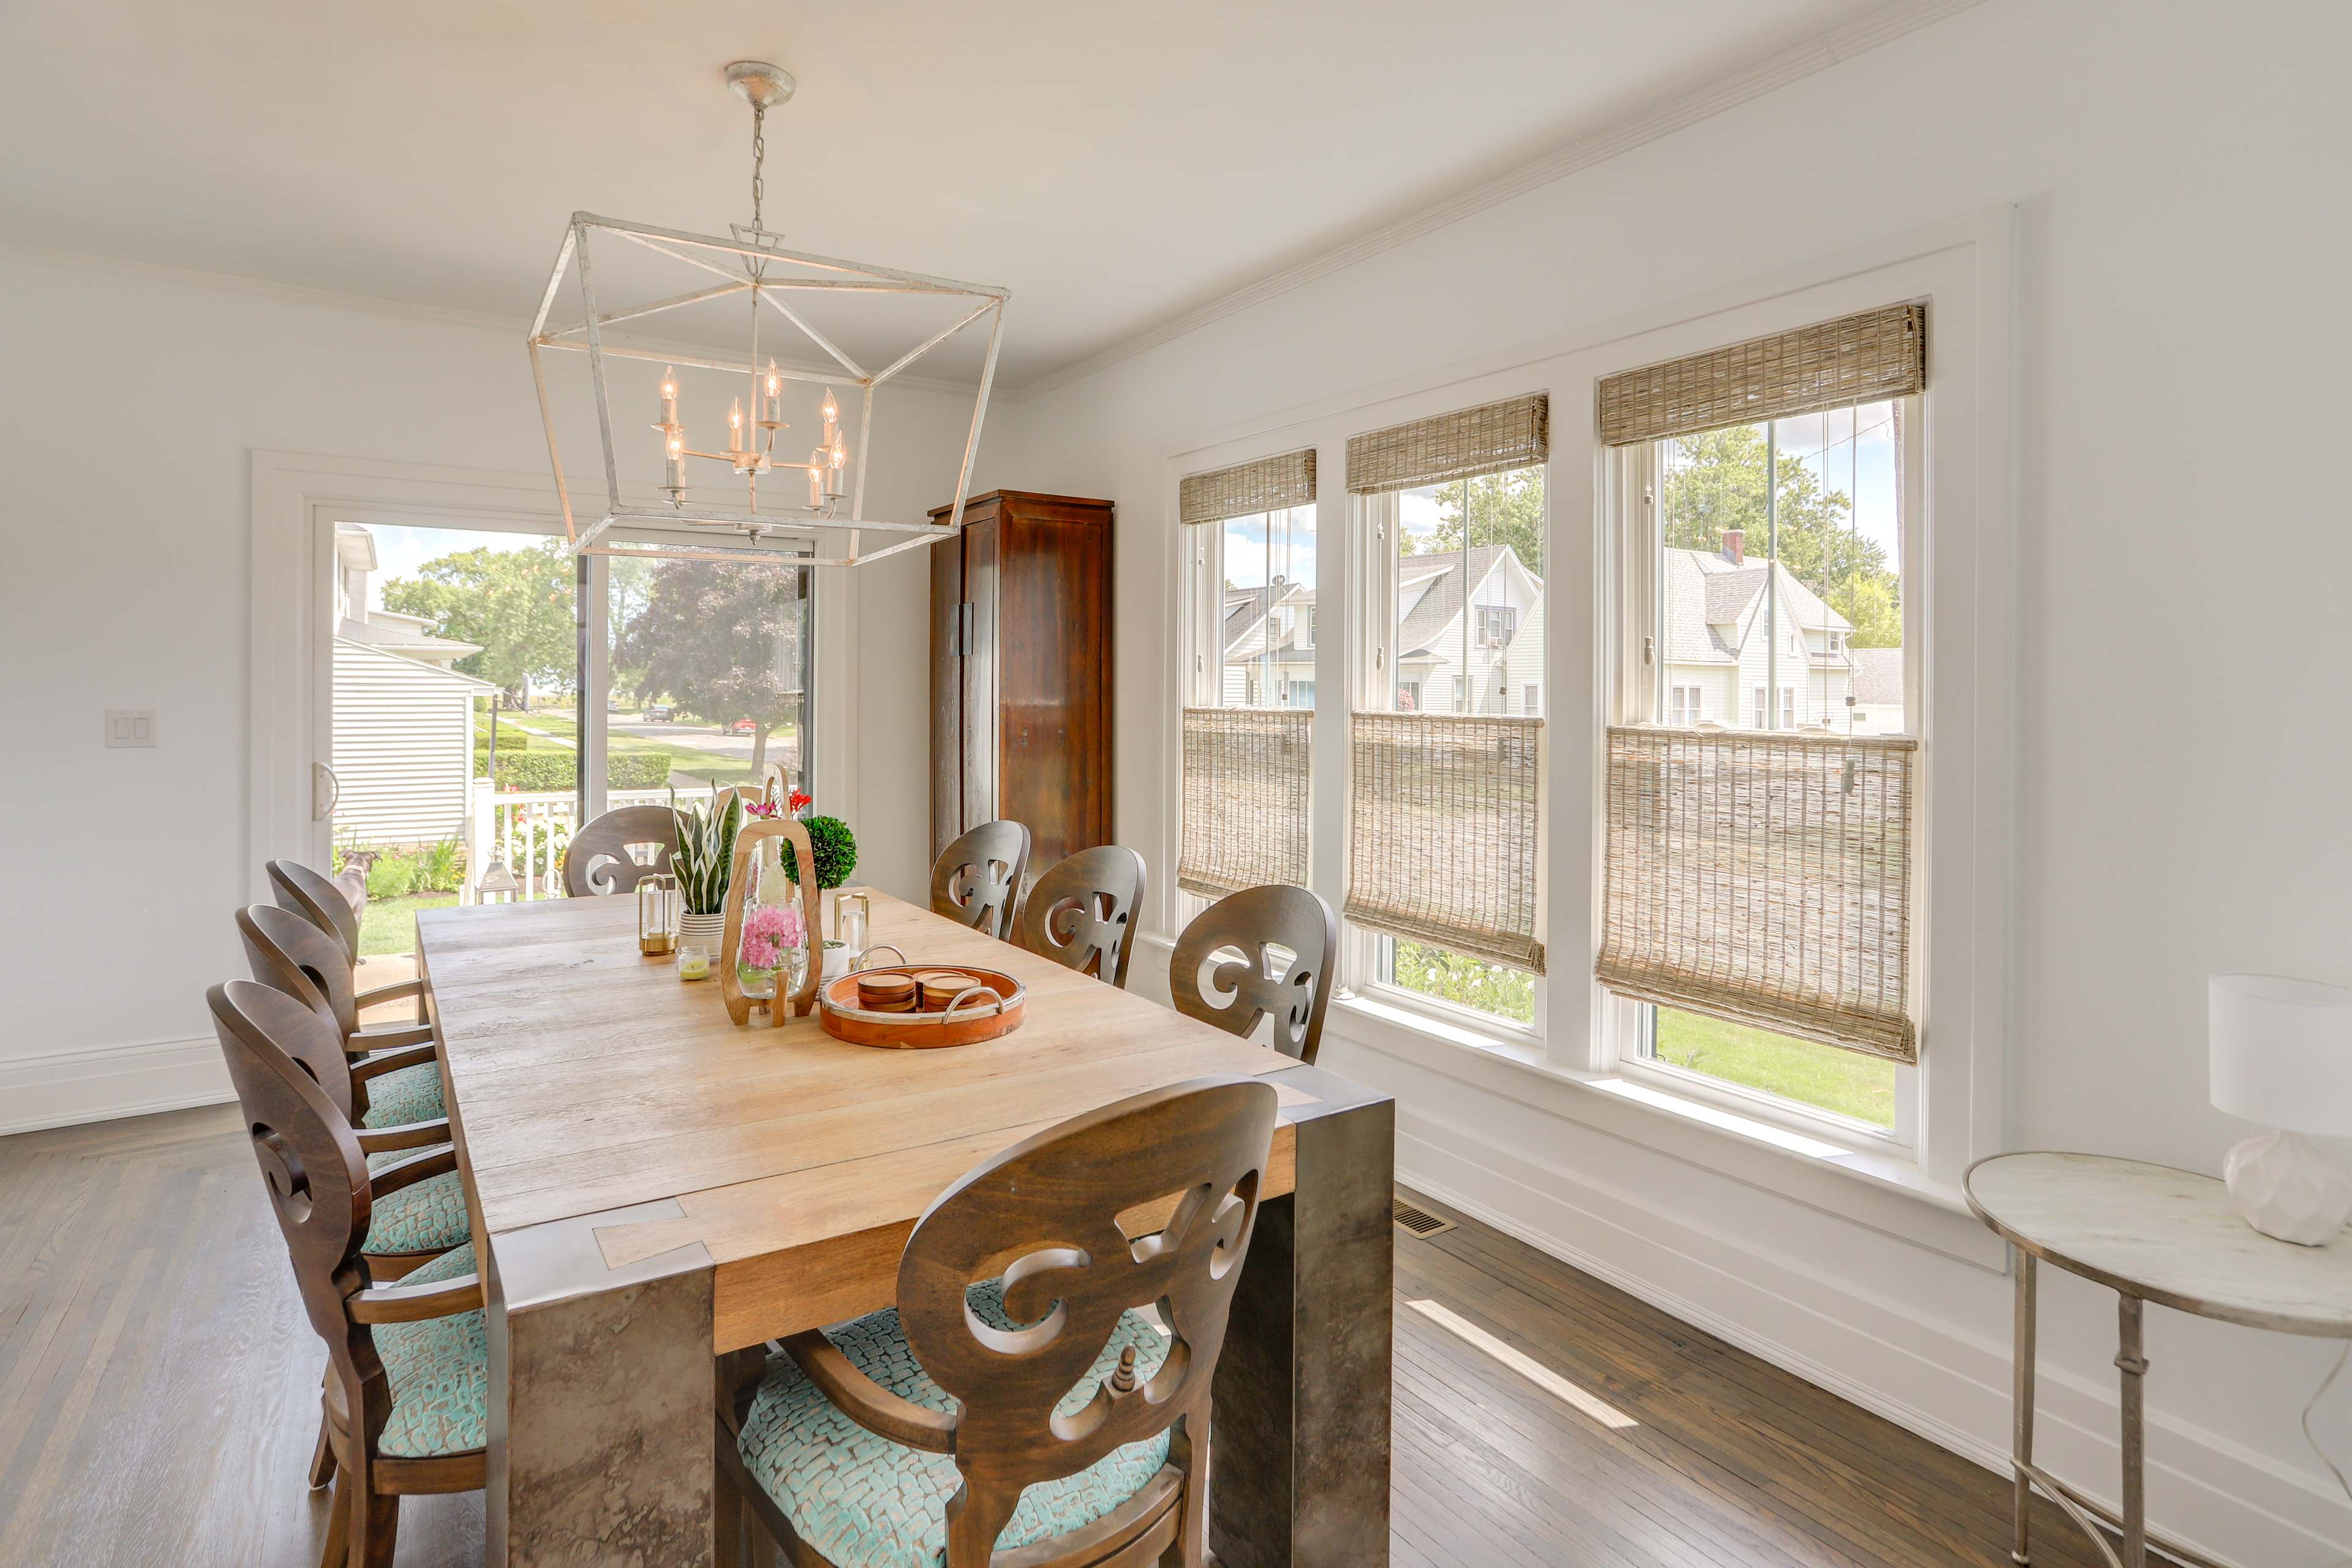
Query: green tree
{"type": "Point", "coordinates": [1715, 483]}
{"type": "Point", "coordinates": [515, 604]}
{"type": "Point", "coordinates": [1505, 509]}
{"type": "Point", "coordinates": [724, 641]}
{"type": "Point", "coordinates": [631, 586]}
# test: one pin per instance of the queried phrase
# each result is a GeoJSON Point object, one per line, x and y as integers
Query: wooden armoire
{"type": "Point", "coordinates": [1021, 671]}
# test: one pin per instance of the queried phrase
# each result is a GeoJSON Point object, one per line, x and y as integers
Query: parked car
{"type": "Point", "coordinates": [661, 712]}
{"type": "Point", "coordinates": [744, 727]}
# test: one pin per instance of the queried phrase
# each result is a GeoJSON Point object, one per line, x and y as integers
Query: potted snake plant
{"type": "Point", "coordinates": [701, 859]}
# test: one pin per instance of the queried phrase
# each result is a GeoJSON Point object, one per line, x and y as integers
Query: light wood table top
{"type": "Point", "coordinates": [585, 1080]}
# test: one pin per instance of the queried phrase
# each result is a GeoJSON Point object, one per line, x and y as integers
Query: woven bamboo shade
{"type": "Point", "coordinates": [1445, 832]}
{"type": "Point", "coordinates": [1764, 879]}
{"type": "Point", "coordinates": [1829, 364]}
{"type": "Point", "coordinates": [1513, 434]}
{"type": "Point", "coordinates": [1268, 484]}
{"type": "Point", "coordinates": [1245, 802]}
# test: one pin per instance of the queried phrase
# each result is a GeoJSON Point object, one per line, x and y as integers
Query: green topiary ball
{"type": "Point", "coordinates": [835, 850]}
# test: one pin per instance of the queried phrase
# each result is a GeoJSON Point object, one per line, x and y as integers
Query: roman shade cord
{"type": "Point", "coordinates": [1444, 829]}
{"type": "Point", "coordinates": [1763, 878]}
{"type": "Point", "coordinates": [1855, 358]}
{"type": "Point", "coordinates": [1489, 439]}
{"type": "Point", "coordinates": [1268, 484]}
{"type": "Point", "coordinates": [1245, 798]}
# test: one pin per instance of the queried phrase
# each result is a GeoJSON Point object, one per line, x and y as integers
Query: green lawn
{"type": "Point", "coordinates": [687, 763]}
{"type": "Point", "coordinates": [1845, 1082]}
{"type": "Point", "coordinates": [389, 925]}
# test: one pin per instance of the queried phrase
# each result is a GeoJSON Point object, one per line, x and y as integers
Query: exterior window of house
{"type": "Point", "coordinates": [1779, 549]}
{"type": "Point", "coordinates": [1468, 629]}
{"type": "Point", "coordinates": [1266, 634]}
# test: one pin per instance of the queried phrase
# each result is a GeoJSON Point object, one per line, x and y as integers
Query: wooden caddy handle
{"type": "Point", "coordinates": [739, 885]}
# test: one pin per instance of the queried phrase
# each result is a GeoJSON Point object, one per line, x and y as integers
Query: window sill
{"type": "Point", "coordinates": [1884, 1191]}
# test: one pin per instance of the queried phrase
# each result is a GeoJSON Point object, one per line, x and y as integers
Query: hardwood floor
{"type": "Point", "coordinates": [159, 1393]}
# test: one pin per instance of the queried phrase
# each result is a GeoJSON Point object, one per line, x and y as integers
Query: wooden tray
{"type": "Point", "coordinates": [990, 1009]}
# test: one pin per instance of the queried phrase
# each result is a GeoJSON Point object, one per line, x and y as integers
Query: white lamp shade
{"type": "Point", "coordinates": [2282, 1052]}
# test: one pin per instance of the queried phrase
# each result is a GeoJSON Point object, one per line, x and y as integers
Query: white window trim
{"type": "Point", "coordinates": [1963, 268]}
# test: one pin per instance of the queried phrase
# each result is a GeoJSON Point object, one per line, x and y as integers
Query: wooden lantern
{"type": "Point", "coordinates": [740, 874]}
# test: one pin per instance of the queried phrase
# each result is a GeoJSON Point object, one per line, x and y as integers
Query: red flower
{"type": "Point", "coordinates": [802, 802]}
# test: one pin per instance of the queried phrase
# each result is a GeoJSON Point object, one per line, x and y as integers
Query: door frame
{"type": "Point", "coordinates": [297, 497]}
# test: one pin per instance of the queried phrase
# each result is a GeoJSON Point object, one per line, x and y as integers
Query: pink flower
{"type": "Point", "coordinates": [768, 930]}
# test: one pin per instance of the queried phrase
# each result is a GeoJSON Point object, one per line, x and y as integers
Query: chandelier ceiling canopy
{"type": "Point", "coordinates": [712, 502]}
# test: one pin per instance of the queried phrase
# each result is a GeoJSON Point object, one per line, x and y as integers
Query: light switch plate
{"type": "Point", "coordinates": [131, 726]}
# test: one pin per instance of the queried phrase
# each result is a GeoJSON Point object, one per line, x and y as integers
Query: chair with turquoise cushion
{"type": "Point", "coordinates": [288, 952]}
{"type": "Point", "coordinates": [404, 1405]}
{"type": "Point", "coordinates": [317, 899]}
{"type": "Point", "coordinates": [1035, 1418]}
{"type": "Point", "coordinates": [420, 1205]}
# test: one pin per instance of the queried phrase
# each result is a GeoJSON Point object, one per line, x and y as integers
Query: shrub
{"type": "Point", "coordinates": [438, 867]}
{"type": "Point", "coordinates": [835, 849]}
{"type": "Point", "coordinates": [392, 876]}
{"type": "Point", "coordinates": [540, 771]}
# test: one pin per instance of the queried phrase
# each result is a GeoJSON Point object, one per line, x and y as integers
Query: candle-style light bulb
{"type": "Point", "coordinates": [775, 409]}
{"type": "Point", "coordinates": [735, 425]}
{"type": "Point", "coordinates": [817, 471]}
{"type": "Point", "coordinates": [673, 478]}
{"type": "Point", "coordinates": [669, 396]}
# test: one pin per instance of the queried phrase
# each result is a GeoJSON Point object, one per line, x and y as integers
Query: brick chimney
{"type": "Point", "coordinates": [1735, 545]}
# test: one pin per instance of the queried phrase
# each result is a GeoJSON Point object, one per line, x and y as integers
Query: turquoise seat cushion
{"type": "Point", "coordinates": [866, 1502]}
{"type": "Point", "coordinates": [439, 1371]}
{"type": "Point", "coordinates": [411, 1094]}
{"type": "Point", "coordinates": [429, 1216]}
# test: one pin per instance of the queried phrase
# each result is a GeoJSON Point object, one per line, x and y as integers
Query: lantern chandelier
{"type": "Point", "coordinates": [728, 514]}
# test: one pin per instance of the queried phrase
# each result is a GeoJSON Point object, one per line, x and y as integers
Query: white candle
{"type": "Point", "coordinates": [670, 397]}
{"type": "Point", "coordinates": [675, 447]}
{"type": "Point", "coordinates": [816, 477]}
{"type": "Point", "coordinates": [735, 425]}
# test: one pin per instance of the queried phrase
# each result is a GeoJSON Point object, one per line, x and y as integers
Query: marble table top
{"type": "Point", "coordinates": [2170, 1236]}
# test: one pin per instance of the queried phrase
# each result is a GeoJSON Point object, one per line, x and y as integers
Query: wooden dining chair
{"type": "Point", "coordinates": [420, 1209]}
{"type": "Point", "coordinates": [1034, 1419]}
{"type": "Point", "coordinates": [1082, 912]}
{"type": "Point", "coordinates": [1240, 992]}
{"type": "Point", "coordinates": [320, 899]}
{"type": "Point", "coordinates": [400, 1082]}
{"type": "Point", "coordinates": [977, 879]}
{"type": "Point", "coordinates": [406, 1404]}
{"type": "Point", "coordinates": [598, 860]}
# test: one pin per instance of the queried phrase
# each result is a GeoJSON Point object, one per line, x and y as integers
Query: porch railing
{"type": "Point", "coordinates": [532, 830]}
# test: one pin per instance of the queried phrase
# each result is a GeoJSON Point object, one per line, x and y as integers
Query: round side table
{"type": "Point", "coordinates": [2148, 1233]}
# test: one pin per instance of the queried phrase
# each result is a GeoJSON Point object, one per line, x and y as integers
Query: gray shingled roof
{"type": "Point", "coordinates": [1878, 677]}
{"type": "Point", "coordinates": [1705, 592]}
{"type": "Point", "coordinates": [1442, 600]}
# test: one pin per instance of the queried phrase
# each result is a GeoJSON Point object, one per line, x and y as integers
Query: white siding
{"type": "Point", "coordinates": [402, 749]}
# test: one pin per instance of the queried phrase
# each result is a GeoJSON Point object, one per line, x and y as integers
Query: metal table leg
{"type": "Point", "coordinates": [2021, 1445]}
{"type": "Point", "coordinates": [2134, 1367]}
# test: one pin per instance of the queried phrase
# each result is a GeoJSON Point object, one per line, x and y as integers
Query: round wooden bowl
{"type": "Point", "coordinates": [987, 1010]}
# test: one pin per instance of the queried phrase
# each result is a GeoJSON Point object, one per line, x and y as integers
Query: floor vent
{"type": "Point", "coordinates": [1415, 1221]}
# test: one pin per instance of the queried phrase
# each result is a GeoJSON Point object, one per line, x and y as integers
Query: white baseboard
{"type": "Point", "coordinates": [1928, 1378]}
{"type": "Point", "coordinates": [63, 1089]}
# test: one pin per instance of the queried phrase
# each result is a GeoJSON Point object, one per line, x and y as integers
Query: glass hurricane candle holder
{"type": "Point", "coordinates": [658, 915]}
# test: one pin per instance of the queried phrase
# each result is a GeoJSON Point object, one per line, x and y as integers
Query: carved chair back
{"type": "Point", "coordinates": [1239, 992]}
{"type": "Point", "coordinates": [1047, 1215]}
{"type": "Point", "coordinates": [1082, 912]}
{"type": "Point", "coordinates": [598, 860]}
{"type": "Point", "coordinates": [311, 1161]}
{"type": "Point", "coordinates": [288, 954]}
{"type": "Point", "coordinates": [976, 879]}
{"type": "Point", "coordinates": [316, 898]}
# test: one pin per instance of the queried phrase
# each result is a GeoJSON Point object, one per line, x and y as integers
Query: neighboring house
{"type": "Point", "coordinates": [1269, 640]}
{"type": "Point", "coordinates": [1878, 690]}
{"type": "Point", "coordinates": [1720, 666]}
{"type": "Point", "coordinates": [403, 721]}
{"type": "Point", "coordinates": [1469, 641]}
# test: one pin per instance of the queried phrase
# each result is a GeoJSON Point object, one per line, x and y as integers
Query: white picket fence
{"type": "Point", "coordinates": [531, 830]}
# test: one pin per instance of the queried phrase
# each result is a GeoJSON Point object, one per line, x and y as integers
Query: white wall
{"type": "Point", "coordinates": [130, 402]}
{"type": "Point", "coordinates": [2177, 170]}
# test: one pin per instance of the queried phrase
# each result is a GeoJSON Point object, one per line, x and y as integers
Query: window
{"type": "Point", "coordinates": [1469, 581]}
{"type": "Point", "coordinates": [1250, 674]}
{"type": "Point", "coordinates": [1777, 550]}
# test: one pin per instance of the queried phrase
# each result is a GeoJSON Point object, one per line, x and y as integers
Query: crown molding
{"type": "Point", "coordinates": [515, 327]}
{"type": "Point", "coordinates": [1840, 44]}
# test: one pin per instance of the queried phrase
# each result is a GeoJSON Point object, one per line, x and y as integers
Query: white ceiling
{"type": "Point", "coordinates": [1112, 164]}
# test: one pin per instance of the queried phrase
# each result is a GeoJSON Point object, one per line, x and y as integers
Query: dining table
{"type": "Point", "coordinates": [654, 1188]}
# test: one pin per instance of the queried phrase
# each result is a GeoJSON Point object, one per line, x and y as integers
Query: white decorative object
{"type": "Point", "coordinates": [826, 494]}
{"type": "Point", "coordinates": [2281, 1056]}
